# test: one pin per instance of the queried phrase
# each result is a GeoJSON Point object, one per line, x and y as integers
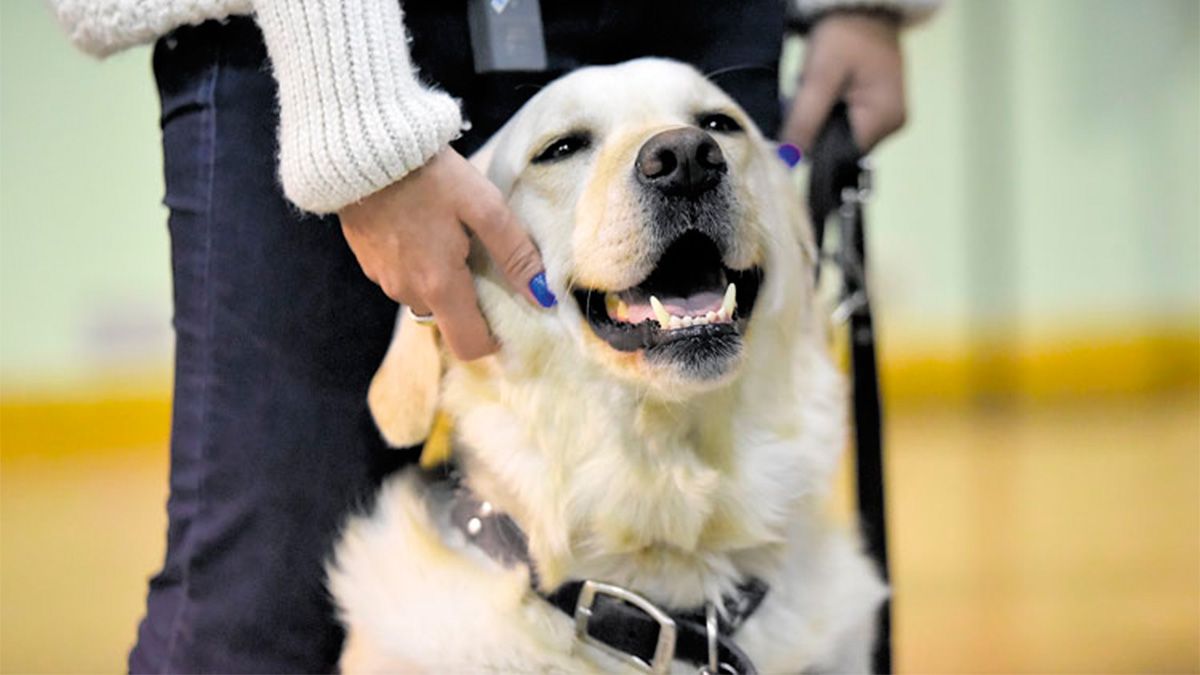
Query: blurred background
{"type": "Point", "coordinates": [1036, 269]}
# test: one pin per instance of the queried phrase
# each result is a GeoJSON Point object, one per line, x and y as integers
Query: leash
{"type": "Point", "coordinates": [839, 182]}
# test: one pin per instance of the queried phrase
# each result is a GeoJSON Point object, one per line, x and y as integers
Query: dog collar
{"type": "Point", "coordinates": [617, 620]}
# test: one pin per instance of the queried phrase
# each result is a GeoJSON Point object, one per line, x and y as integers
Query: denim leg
{"type": "Point", "coordinates": [277, 336]}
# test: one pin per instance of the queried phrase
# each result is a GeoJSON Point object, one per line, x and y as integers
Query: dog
{"type": "Point", "coordinates": [662, 439]}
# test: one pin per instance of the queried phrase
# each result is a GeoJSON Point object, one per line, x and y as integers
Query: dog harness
{"type": "Point", "coordinates": [618, 621]}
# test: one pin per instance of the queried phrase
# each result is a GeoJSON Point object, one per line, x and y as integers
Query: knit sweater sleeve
{"type": "Point", "coordinates": [910, 11]}
{"type": "Point", "coordinates": [104, 27]}
{"type": "Point", "coordinates": [354, 116]}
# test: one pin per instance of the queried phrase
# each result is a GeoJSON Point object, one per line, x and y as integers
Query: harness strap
{"type": "Point", "coordinates": [628, 629]}
{"type": "Point", "coordinates": [634, 628]}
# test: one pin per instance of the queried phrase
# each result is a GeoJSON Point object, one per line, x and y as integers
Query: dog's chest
{"type": "Point", "coordinates": [628, 478]}
{"type": "Point", "coordinates": [416, 595]}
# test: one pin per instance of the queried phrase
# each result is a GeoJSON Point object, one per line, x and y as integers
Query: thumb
{"type": "Point", "coordinates": [488, 216]}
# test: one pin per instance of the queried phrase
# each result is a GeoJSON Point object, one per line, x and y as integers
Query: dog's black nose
{"type": "Point", "coordinates": [683, 161]}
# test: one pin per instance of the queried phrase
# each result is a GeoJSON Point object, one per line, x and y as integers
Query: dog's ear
{"type": "Point", "coordinates": [403, 396]}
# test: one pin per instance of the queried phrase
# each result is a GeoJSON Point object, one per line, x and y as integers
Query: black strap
{"type": "Point", "coordinates": [615, 623]}
{"type": "Point", "coordinates": [836, 161]}
{"type": "Point", "coordinates": [631, 630]}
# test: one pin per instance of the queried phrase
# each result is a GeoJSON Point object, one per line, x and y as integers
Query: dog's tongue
{"type": "Point", "coordinates": [696, 304]}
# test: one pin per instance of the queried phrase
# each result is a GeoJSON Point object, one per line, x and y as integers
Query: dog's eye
{"type": "Point", "coordinates": [562, 147]}
{"type": "Point", "coordinates": [718, 122]}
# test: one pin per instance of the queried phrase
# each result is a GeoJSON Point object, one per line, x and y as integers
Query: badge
{"type": "Point", "coordinates": [506, 35]}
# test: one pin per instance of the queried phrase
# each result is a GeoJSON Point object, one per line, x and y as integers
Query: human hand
{"type": "Point", "coordinates": [411, 239]}
{"type": "Point", "coordinates": [852, 56]}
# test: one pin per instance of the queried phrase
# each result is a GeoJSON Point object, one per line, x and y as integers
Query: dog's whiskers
{"type": "Point", "coordinates": [741, 67]}
{"type": "Point", "coordinates": [587, 308]}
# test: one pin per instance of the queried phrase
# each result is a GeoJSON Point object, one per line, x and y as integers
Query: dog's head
{"type": "Point", "coordinates": [669, 228]}
{"type": "Point", "coordinates": [657, 206]}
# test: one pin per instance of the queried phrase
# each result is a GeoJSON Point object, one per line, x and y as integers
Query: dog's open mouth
{"type": "Point", "coordinates": [690, 299]}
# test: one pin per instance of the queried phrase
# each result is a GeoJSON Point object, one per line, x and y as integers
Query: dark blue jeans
{"type": "Point", "coordinates": [278, 332]}
{"type": "Point", "coordinates": [277, 336]}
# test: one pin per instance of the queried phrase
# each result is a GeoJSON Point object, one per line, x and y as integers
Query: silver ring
{"type": "Point", "coordinates": [420, 319]}
{"type": "Point", "coordinates": [711, 628]}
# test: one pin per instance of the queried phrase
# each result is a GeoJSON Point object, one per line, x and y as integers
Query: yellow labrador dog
{"type": "Point", "coordinates": [641, 471]}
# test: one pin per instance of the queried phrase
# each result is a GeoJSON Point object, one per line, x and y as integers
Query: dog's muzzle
{"type": "Point", "coordinates": [692, 308]}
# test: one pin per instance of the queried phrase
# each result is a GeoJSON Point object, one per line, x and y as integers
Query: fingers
{"type": "Point", "coordinates": [822, 81]}
{"type": "Point", "coordinates": [857, 57]}
{"type": "Point", "coordinates": [875, 98]}
{"type": "Point", "coordinates": [409, 238]}
{"type": "Point", "coordinates": [873, 121]}
{"type": "Point", "coordinates": [417, 307]}
{"type": "Point", "coordinates": [487, 215]}
{"type": "Point", "coordinates": [451, 298]}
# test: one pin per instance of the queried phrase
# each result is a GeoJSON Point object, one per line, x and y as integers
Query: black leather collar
{"type": "Point", "coordinates": [607, 616]}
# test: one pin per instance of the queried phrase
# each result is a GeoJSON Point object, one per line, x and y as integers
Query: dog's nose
{"type": "Point", "coordinates": [683, 161]}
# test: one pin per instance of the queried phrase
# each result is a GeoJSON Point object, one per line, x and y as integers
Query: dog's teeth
{"type": "Point", "coordinates": [660, 312]}
{"type": "Point", "coordinates": [730, 301]}
{"type": "Point", "coordinates": [668, 321]}
{"type": "Point", "coordinates": [622, 310]}
{"type": "Point", "coordinates": [611, 303]}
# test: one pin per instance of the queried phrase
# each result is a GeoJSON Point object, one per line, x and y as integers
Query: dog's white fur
{"type": "Point", "coordinates": [616, 469]}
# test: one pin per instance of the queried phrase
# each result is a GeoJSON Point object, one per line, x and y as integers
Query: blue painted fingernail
{"type": "Point", "coordinates": [541, 292]}
{"type": "Point", "coordinates": [790, 154]}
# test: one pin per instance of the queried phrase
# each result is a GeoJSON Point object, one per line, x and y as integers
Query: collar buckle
{"type": "Point", "coordinates": [664, 651]}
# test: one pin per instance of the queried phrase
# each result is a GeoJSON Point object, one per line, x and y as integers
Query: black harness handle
{"type": "Point", "coordinates": [835, 184]}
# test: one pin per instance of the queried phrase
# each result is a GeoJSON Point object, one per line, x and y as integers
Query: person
{"type": "Point", "coordinates": [311, 145]}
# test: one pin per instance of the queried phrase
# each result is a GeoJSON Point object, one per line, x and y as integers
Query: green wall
{"type": "Point", "coordinates": [1049, 181]}
{"type": "Point", "coordinates": [84, 265]}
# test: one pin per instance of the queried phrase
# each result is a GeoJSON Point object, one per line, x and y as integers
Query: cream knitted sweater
{"type": "Point", "coordinates": [354, 116]}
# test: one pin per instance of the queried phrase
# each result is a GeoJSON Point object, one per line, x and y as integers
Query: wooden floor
{"type": "Point", "coordinates": [1052, 539]}
{"type": "Point", "coordinates": [1062, 539]}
